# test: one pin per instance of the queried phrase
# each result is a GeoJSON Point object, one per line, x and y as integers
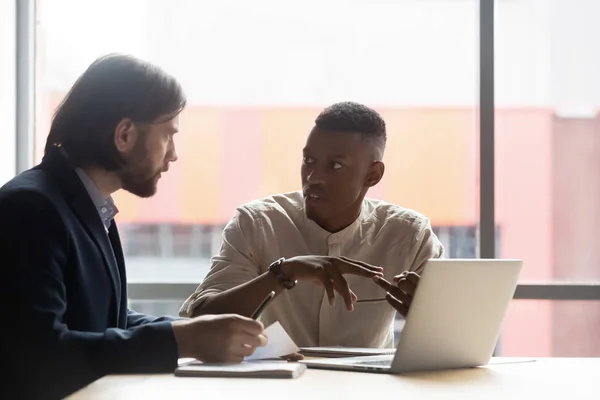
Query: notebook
{"type": "Point", "coordinates": [247, 369]}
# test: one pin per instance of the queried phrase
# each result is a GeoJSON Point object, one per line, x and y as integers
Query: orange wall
{"type": "Point", "coordinates": [229, 156]}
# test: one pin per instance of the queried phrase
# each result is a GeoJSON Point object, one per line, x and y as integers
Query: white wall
{"type": "Point", "coordinates": [575, 56]}
{"type": "Point", "coordinates": [402, 52]}
{"type": "Point", "coordinates": [7, 90]}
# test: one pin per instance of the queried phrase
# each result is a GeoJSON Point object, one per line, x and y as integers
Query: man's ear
{"type": "Point", "coordinates": [375, 174]}
{"type": "Point", "coordinates": [126, 134]}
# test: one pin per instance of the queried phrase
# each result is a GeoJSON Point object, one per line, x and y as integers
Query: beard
{"type": "Point", "coordinates": [139, 176]}
{"type": "Point", "coordinates": [140, 182]}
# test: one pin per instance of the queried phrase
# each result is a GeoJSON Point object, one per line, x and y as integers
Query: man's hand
{"type": "Point", "coordinates": [218, 338]}
{"type": "Point", "coordinates": [329, 272]}
{"type": "Point", "coordinates": [400, 294]}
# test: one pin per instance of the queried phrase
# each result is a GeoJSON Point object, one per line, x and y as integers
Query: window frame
{"type": "Point", "coordinates": [8, 94]}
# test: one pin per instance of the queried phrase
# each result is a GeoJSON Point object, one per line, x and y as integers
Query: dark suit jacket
{"type": "Point", "coordinates": [65, 320]}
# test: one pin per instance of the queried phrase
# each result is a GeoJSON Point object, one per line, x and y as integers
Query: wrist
{"type": "Point", "coordinates": [179, 334]}
{"type": "Point", "coordinates": [287, 269]}
{"type": "Point", "coordinates": [284, 275]}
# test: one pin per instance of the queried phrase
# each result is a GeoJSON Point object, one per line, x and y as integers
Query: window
{"type": "Point", "coordinates": [170, 240]}
{"type": "Point", "coordinates": [459, 241]}
{"type": "Point", "coordinates": [548, 166]}
{"type": "Point", "coordinates": [7, 93]}
{"type": "Point", "coordinates": [551, 328]}
{"type": "Point", "coordinates": [253, 97]}
{"type": "Point", "coordinates": [257, 73]}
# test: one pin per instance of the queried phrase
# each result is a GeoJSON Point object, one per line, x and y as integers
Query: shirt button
{"type": "Point", "coordinates": [104, 209]}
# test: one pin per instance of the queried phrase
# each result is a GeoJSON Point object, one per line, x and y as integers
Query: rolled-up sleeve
{"type": "Point", "coordinates": [424, 245]}
{"type": "Point", "coordinates": [234, 265]}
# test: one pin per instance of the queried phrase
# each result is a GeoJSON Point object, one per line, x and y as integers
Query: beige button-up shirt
{"type": "Point", "coordinates": [385, 235]}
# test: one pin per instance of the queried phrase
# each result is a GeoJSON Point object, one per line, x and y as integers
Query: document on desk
{"type": "Point", "coordinates": [247, 369]}
{"type": "Point", "coordinates": [258, 365]}
{"type": "Point", "coordinates": [279, 344]}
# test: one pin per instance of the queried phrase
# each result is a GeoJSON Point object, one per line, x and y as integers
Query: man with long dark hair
{"type": "Point", "coordinates": [64, 290]}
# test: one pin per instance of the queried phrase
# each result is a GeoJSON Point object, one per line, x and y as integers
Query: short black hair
{"type": "Point", "coordinates": [114, 87]}
{"type": "Point", "coordinates": [353, 117]}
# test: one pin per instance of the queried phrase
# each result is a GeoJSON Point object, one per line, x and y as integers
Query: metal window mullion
{"type": "Point", "coordinates": [557, 292]}
{"type": "Point", "coordinates": [487, 223]}
{"type": "Point", "coordinates": [25, 83]}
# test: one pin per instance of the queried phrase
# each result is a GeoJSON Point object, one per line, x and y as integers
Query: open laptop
{"type": "Point", "coordinates": [454, 320]}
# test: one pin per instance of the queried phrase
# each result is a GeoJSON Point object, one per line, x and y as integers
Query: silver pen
{"type": "Point", "coordinates": [370, 300]}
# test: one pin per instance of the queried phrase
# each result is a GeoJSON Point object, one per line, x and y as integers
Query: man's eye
{"type": "Point", "coordinates": [337, 165]}
{"type": "Point", "coordinates": [307, 160]}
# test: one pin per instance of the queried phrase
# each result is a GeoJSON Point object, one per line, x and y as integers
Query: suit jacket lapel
{"type": "Point", "coordinates": [84, 208]}
{"type": "Point", "coordinates": [115, 241]}
{"type": "Point", "coordinates": [87, 213]}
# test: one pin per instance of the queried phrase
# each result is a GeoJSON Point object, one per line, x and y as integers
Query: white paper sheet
{"type": "Point", "coordinates": [279, 344]}
{"type": "Point", "coordinates": [247, 369]}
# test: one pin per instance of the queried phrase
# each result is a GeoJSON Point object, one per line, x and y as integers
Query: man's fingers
{"type": "Point", "coordinates": [393, 290]}
{"type": "Point", "coordinates": [370, 267]}
{"type": "Point", "coordinates": [408, 283]}
{"type": "Point", "coordinates": [348, 296]}
{"type": "Point", "coordinates": [347, 266]}
{"type": "Point", "coordinates": [245, 344]}
{"type": "Point", "coordinates": [241, 351]}
{"type": "Point", "coordinates": [234, 358]}
{"type": "Point", "coordinates": [407, 287]}
{"type": "Point", "coordinates": [328, 284]}
{"type": "Point", "coordinates": [398, 277]}
{"type": "Point", "coordinates": [412, 277]}
{"type": "Point", "coordinates": [245, 339]}
{"type": "Point", "coordinates": [249, 326]}
{"type": "Point", "coordinates": [382, 282]}
{"type": "Point", "coordinates": [341, 286]}
{"type": "Point", "coordinates": [256, 341]}
{"type": "Point", "coordinates": [397, 304]}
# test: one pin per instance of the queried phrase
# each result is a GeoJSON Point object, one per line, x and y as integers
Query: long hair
{"type": "Point", "coordinates": [114, 87]}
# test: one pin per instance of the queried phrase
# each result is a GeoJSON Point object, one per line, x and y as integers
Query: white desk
{"type": "Point", "coordinates": [546, 378]}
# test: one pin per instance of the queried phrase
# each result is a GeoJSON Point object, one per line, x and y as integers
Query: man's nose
{"type": "Point", "coordinates": [315, 177]}
{"type": "Point", "coordinates": [172, 155]}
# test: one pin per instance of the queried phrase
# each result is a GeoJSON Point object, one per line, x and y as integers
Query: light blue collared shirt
{"type": "Point", "coordinates": [106, 207]}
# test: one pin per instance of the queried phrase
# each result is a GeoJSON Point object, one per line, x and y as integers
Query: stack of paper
{"type": "Point", "coordinates": [255, 366]}
{"type": "Point", "coordinates": [247, 369]}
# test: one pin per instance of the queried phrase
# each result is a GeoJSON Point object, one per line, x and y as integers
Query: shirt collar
{"type": "Point", "coordinates": [105, 206]}
{"type": "Point", "coordinates": [91, 188]}
{"type": "Point", "coordinates": [338, 237]}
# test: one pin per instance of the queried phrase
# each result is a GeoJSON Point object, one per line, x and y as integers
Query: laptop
{"type": "Point", "coordinates": [454, 320]}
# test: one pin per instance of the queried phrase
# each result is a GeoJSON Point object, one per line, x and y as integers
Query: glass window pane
{"type": "Point", "coordinates": [257, 74]}
{"type": "Point", "coordinates": [548, 137]}
{"type": "Point", "coordinates": [548, 328]}
{"type": "Point", "coordinates": [8, 99]}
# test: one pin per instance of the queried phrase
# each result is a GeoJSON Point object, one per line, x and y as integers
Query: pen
{"type": "Point", "coordinates": [369, 300]}
{"type": "Point", "coordinates": [262, 305]}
